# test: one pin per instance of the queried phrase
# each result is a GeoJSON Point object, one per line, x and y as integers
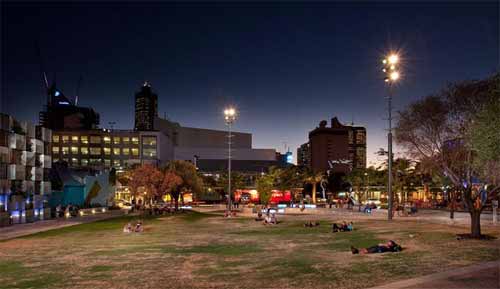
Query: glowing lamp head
{"type": "Point", "coordinates": [394, 76]}
{"type": "Point", "coordinates": [229, 114]}
{"type": "Point", "coordinates": [393, 59]}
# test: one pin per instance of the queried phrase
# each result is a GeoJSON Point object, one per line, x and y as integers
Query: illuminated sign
{"type": "Point", "coordinates": [289, 157]}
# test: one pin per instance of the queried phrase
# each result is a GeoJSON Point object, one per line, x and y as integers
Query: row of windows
{"type": "Point", "coordinates": [94, 139]}
{"type": "Point", "coordinates": [86, 162]}
{"type": "Point", "coordinates": [96, 151]}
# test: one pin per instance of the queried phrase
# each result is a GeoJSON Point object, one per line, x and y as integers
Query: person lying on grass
{"type": "Point", "coordinates": [342, 227]}
{"type": "Point", "coordinates": [310, 224]}
{"type": "Point", "coordinates": [390, 246]}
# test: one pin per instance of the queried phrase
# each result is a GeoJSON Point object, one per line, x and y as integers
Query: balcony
{"type": "Point", "coordinates": [28, 158]}
{"type": "Point", "coordinates": [17, 141]}
{"type": "Point", "coordinates": [36, 174]}
{"type": "Point", "coordinates": [17, 172]}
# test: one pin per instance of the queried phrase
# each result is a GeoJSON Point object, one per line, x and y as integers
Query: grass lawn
{"type": "Point", "coordinates": [196, 250]}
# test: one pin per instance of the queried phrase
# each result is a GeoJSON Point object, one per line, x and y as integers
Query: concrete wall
{"type": "Point", "coordinates": [208, 138]}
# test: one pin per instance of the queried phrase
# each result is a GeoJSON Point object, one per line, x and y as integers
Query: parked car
{"type": "Point", "coordinates": [124, 205]}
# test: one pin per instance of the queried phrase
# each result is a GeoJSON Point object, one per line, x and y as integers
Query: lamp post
{"type": "Point", "coordinates": [391, 76]}
{"type": "Point", "coordinates": [229, 118]}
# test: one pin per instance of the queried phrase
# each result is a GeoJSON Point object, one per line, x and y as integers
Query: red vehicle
{"type": "Point", "coordinates": [280, 197]}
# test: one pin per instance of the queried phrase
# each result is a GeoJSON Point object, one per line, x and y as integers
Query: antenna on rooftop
{"type": "Point", "coordinates": [43, 74]}
{"type": "Point", "coordinates": [78, 90]}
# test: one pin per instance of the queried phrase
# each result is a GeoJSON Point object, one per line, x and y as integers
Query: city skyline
{"type": "Point", "coordinates": [272, 62]}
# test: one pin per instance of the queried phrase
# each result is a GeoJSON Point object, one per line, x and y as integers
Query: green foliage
{"type": "Point", "coordinates": [265, 184]}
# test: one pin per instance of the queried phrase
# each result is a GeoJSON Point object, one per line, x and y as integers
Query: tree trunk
{"type": "Point", "coordinates": [176, 202]}
{"type": "Point", "coordinates": [452, 212]}
{"type": "Point", "coordinates": [314, 193]}
{"type": "Point", "coordinates": [475, 223]}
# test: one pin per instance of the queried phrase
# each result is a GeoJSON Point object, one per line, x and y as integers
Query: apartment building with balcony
{"type": "Point", "coordinates": [25, 162]}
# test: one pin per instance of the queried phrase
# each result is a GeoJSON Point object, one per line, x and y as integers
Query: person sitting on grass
{"type": "Point", "coordinates": [127, 228]}
{"type": "Point", "coordinates": [138, 227]}
{"type": "Point", "coordinates": [342, 227]}
{"type": "Point", "coordinates": [259, 216]}
{"type": "Point", "coordinates": [390, 246]}
{"type": "Point", "coordinates": [310, 224]}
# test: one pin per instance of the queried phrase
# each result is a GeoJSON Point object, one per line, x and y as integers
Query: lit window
{"type": "Point", "coordinates": [116, 140]}
{"type": "Point", "coordinates": [65, 150]}
{"type": "Point", "coordinates": [116, 163]}
{"type": "Point", "coordinates": [126, 140]}
{"type": "Point", "coordinates": [148, 152]}
{"type": "Point", "coordinates": [55, 160]}
{"type": "Point", "coordinates": [95, 151]}
{"type": "Point", "coordinates": [126, 151]}
{"type": "Point", "coordinates": [116, 151]}
{"type": "Point", "coordinates": [107, 163]}
{"type": "Point", "coordinates": [135, 140]}
{"type": "Point", "coordinates": [149, 140]}
{"type": "Point", "coordinates": [84, 150]}
{"type": "Point", "coordinates": [66, 160]}
{"type": "Point", "coordinates": [74, 161]}
{"type": "Point", "coordinates": [135, 152]}
{"type": "Point", "coordinates": [95, 139]}
{"type": "Point", "coordinates": [107, 139]}
{"type": "Point", "coordinates": [74, 150]}
{"type": "Point", "coordinates": [65, 138]}
{"type": "Point", "coordinates": [55, 138]}
{"type": "Point", "coordinates": [74, 138]}
{"type": "Point", "coordinates": [84, 139]}
{"type": "Point", "coordinates": [84, 162]}
{"type": "Point", "coordinates": [95, 161]}
{"type": "Point", "coordinates": [55, 150]}
{"type": "Point", "coordinates": [107, 151]}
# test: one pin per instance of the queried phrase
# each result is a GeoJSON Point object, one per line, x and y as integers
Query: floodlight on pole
{"type": "Point", "coordinates": [230, 118]}
{"type": "Point", "coordinates": [391, 76]}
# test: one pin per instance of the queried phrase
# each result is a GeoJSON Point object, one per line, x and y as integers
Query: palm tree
{"type": "Point", "coordinates": [313, 178]}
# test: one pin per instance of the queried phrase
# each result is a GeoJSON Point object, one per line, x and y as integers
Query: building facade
{"type": "Point", "coordinates": [25, 162]}
{"type": "Point", "coordinates": [208, 148]}
{"type": "Point", "coordinates": [146, 108]}
{"type": "Point", "coordinates": [103, 148]}
{"type": "Point", "coordinates": [63, 113]}
{"type": "Point", "coordinates": [338, 148]}
{"type": "Point", "coordinates": [304, 155]}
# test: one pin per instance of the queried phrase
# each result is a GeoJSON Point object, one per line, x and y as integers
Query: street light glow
{"type": "Point", "coordinates": [394, 75]}
{"type": "Point", "coordinates": [393, 59]}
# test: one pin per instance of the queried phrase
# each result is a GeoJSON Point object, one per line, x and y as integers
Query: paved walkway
{"type": "Point", "coordinates": [19, 230]}
{"type": "Point", "coordinates": [484, 276]}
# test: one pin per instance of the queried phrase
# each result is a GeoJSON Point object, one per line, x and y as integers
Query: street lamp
{"type": "Point", "coordinates": [229, 118]}
{"type": "Point", "coordinates": [390, 69]}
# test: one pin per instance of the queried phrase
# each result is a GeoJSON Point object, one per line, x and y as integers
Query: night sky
{"type": "Point", "coordinates": [285, 66]}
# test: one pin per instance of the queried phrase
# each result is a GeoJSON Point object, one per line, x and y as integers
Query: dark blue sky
{"type": "Point", "coordinates": [285, 66]}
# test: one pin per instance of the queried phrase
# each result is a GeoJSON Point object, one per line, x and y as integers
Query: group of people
{"type": "Point", "coordinates": [138, 228]}
{"type": "Point", "coordinates": [310, 224]}
{"type": "Point", "coordinates": [342, 227]}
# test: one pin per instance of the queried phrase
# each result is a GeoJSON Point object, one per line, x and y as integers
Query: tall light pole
{"type": "Point", "coordinates": [229, 118]}
{"type": "Point", "coordinates": [391, 76]}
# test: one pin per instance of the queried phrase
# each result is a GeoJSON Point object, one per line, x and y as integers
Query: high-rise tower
{"type": "Point", "coordinates": [146, 108]}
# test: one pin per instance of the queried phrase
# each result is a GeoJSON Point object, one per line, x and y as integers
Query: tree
{"type": "Point", "coordinates": [265, 185]}
{"type": "Point", "coordinates": [437, 132]}
{"type": "Point", "coordinates": [170, 183]}
{"type": "Point", "coordinates": [314, 179]}
{"type": "Point", "coordinates": [190, 179]}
